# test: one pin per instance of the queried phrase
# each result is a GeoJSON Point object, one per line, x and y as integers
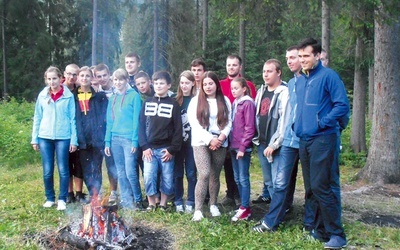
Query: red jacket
{"type": "Point", "coordinates": [226, 89]}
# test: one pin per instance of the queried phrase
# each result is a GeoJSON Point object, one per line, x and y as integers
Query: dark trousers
{"type": "Point", "coordinates": [316, 156]}
{"type": "Point", "coordinates": [232, 190]}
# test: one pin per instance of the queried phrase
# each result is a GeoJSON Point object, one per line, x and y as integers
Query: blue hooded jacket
{"type": "Point", "coordinates": [321, 102]}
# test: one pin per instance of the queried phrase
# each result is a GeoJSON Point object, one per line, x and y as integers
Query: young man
{"type": "Point", "coordinates": [198, 67]}
{"type": "Point", "coordinates": [143, 85]}
{"type": "Point", "coordinates": [322, 104]}
{"type": "Point", "coordinates": [105, 83]}
{"type": "Point", "coordinates": [160, 137]}
{"type": "Point", "coordinates": [285, 181]}
{"type": "Point", "coordinates": [233, 67]}
{"type": "Point", "coordinates": [103, 77]}
{"type": "Point", "coordinates": [271, 103]}
{"type": "Point", "coordinates": [132, 65]}
{"type": "Point", "coordinates": [75, 168]}
{"type": "Point", "coordinates": [324, 58]}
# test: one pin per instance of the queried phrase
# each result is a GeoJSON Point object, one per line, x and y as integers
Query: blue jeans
{"type": "Point", "coordinates": [184, 160]}
{"type": "Point", "coordinates": [317, 156]}
{"type": "Point", "coordinates": [277, 208]}
{"type": "Point", "coordinates": [126, 166]}
{"type": "Point", "coordinates": [91, 160]}
{"type": "Point", "coordinates": [242, 176]}
{"type": "Point", "coordinates": [112, 171]}
{"type": "Point", "coordinates": [309, 215]}
{"type": "Point", "coordinates": [151, 170]}
{"type": "Point", "coordinates": [268, 170]}
{"type": "Point", "coordinates": [61, 149]}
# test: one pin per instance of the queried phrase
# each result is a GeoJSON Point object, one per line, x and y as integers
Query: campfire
{"type": "Point", "coordinates": [100, 228]}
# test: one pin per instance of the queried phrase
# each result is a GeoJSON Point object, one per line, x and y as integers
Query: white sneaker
{"type": "Point", "coordinates": [197, 216]}
{"type": "Point", "coordinates": [48, 204]}
{"type": "Point", "coordinates": [179, 209]}
{"type": "Point", "coordinates": [61, 205]}
{"type": "Point", "coordinates": [214, 211]}
{"type": "Point", "coordinates": [188, 209]}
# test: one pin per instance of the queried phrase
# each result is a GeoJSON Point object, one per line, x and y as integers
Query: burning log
{"type": "Point", "coordinates": [73, 240]}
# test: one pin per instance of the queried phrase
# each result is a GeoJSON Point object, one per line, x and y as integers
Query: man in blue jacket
{"type": "Point", "coordinates": [321, 103]}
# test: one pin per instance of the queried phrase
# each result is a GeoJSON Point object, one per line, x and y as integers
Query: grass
{"type": "Point", "coordinates": [21, 215]}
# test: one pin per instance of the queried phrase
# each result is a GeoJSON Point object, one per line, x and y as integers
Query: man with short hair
{"type": "Point", "coordinates": [198, 67]}
{"type": "Point", "coordinates": [103, 78]}
{"type": "Point", "coordinates": [233, 67]}
{"type": "Point", "coordinates": [75, 167]}
{"type": "Point", "coordinates": [143, 85]}
{"type": "Point", "coordinates": [324, 58]}
{"type": "Point", "coordinates": [132, 65]}
{"type": "Point", "coordinates": [322, 103]}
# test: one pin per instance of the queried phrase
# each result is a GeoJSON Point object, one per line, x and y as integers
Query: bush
{"type": "Point", "coordinates": [16, 129]}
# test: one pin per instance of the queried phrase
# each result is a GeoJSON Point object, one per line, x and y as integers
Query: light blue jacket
{"type": "Point", "coordinates": [54, 120]}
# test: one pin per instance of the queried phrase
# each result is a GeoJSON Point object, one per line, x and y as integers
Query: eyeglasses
{"type": "Point", "coordinates": [71, 74]}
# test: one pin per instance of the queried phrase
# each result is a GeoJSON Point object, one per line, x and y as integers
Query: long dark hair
{"type": "Point", "coordinates": [203, 109]}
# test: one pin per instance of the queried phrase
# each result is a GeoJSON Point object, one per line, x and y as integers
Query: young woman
{"type": "Point", "coordinates": [91, 109]}
{"type": "Point", "coordinates": [184, 161]}
{"type": "Point", "coordinates": [243, 130]}
{"type": "Point", "coordinates": [209, 117]}
{"type": "Point", "coordinates": [122, 138]}
{"type": "Point", "coordinates": [54, 132]}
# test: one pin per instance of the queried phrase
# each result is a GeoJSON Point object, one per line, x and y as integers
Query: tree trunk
{"type": "Point", "coordinates": [205, 27]}
{"type": "Point", "coordinates": [3, 41]}
{"type": "Point", "coordinates": [357, 139]}
{"type": "Point", "coordinates": [242, 36]}
{"type": "Point", "coordinates": [326, 29]}
{"type": "Point", "coordinates": [383, 164]}
{"type": "Point", "coordinates": [155, 38]}
{"type": "Point", "coordinates": [94, 32]}
{"type": "Point", "coordinates": [370, 92]}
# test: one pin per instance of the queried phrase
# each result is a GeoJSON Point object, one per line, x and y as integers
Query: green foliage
{"type": "Point", "coordinates": [15, 136]}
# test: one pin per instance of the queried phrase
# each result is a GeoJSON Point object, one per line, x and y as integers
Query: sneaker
{"type": "Point", "coordinates": [151, 208]}
{"type": "Point", "coordinates": [214, 211]}
{"type": "Point", "coordinates": [318, 236]}
{"type": "Point", "coordinates": [197, 216]}
{"type": "Point", "coordinates": [179, 209]}
{"type": "Point", "coordinates": [139, 206]}
{"type": "Point", "coordinates": [48, 204]}
{"type": "Point", "coordinates": [335, 242]}
{"type": "Point", "coordinates": [227, 201]}
{"type": "Point", "coordinates": [61, 205]}
{"type": "Point", "coordinates": [112, 199]}
{"type": "Point", "coordinates": [241, 214]}
{"type": "Point", "coordinates": [163, 208]}
{"type": "Point", "coordinates": [189, 209]}
{"type": "Point", "coordinates": [261, 199]}
{"type": "Point", "coordinates": [261, 227]}
{"type": "Point", "coordinates": [81, 198]}
{"type": "Point", "coordinates": [70, 197]}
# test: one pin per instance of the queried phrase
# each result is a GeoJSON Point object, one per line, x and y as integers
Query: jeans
{"type": "Point", "coordinates": [61, 149]}
{"type": "Point", "coordinates": [309, 215]}
{"type": "Point", "coordinates": [268, 170]}
{"type": "Point", "coordinates": [242, 176]}
{"type": "Point", "coordinates": [112, 171]}
{"type": "Point", "coordinates": [151, 170]}
{"type": "Point", "coordinates": [126, 166]}
{"type": "Point", "coordinates": [91, 160]}
{"type": "Point", "coordinates": [278, 206]}
{"type": "Point", "coordinates": [317, 156]}
{"type": "Point", "coordinates": [184, 160]}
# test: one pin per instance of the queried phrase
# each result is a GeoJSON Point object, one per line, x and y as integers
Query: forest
{"type": "Point", "coordinates": [361, 38]}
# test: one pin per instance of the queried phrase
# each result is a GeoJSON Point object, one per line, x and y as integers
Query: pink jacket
{"type": "Point", "coordinates": [243, 124]}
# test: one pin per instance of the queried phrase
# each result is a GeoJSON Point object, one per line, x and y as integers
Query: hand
{"type": "Point", "coordinates": [215, 144]}
{"type": "Point", "coordinates": [107, 151]}
{"type": "Point", "coordinates": [72, 148]}
{"type": "Point", "coordinates": [147, 154]}
{"type": "Point", "coordinates": [268, 151]}
{"type": "Point", "coordinates": [239, 155]}
{"type": "Point", "coordinates": [167, 156]}
{"type": "Point", "coordinates": [133, 150]}
{"type": "Point", "coordinates": [222, 138]}
{"type": "Point", "coordinates": [35, 147]}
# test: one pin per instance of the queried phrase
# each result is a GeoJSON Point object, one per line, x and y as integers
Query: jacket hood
{"type": "Point", "coordinates": [45, 93]}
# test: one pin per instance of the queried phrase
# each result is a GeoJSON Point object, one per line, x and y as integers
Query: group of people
{"type": "Point", "coordinates": [135, 122]}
